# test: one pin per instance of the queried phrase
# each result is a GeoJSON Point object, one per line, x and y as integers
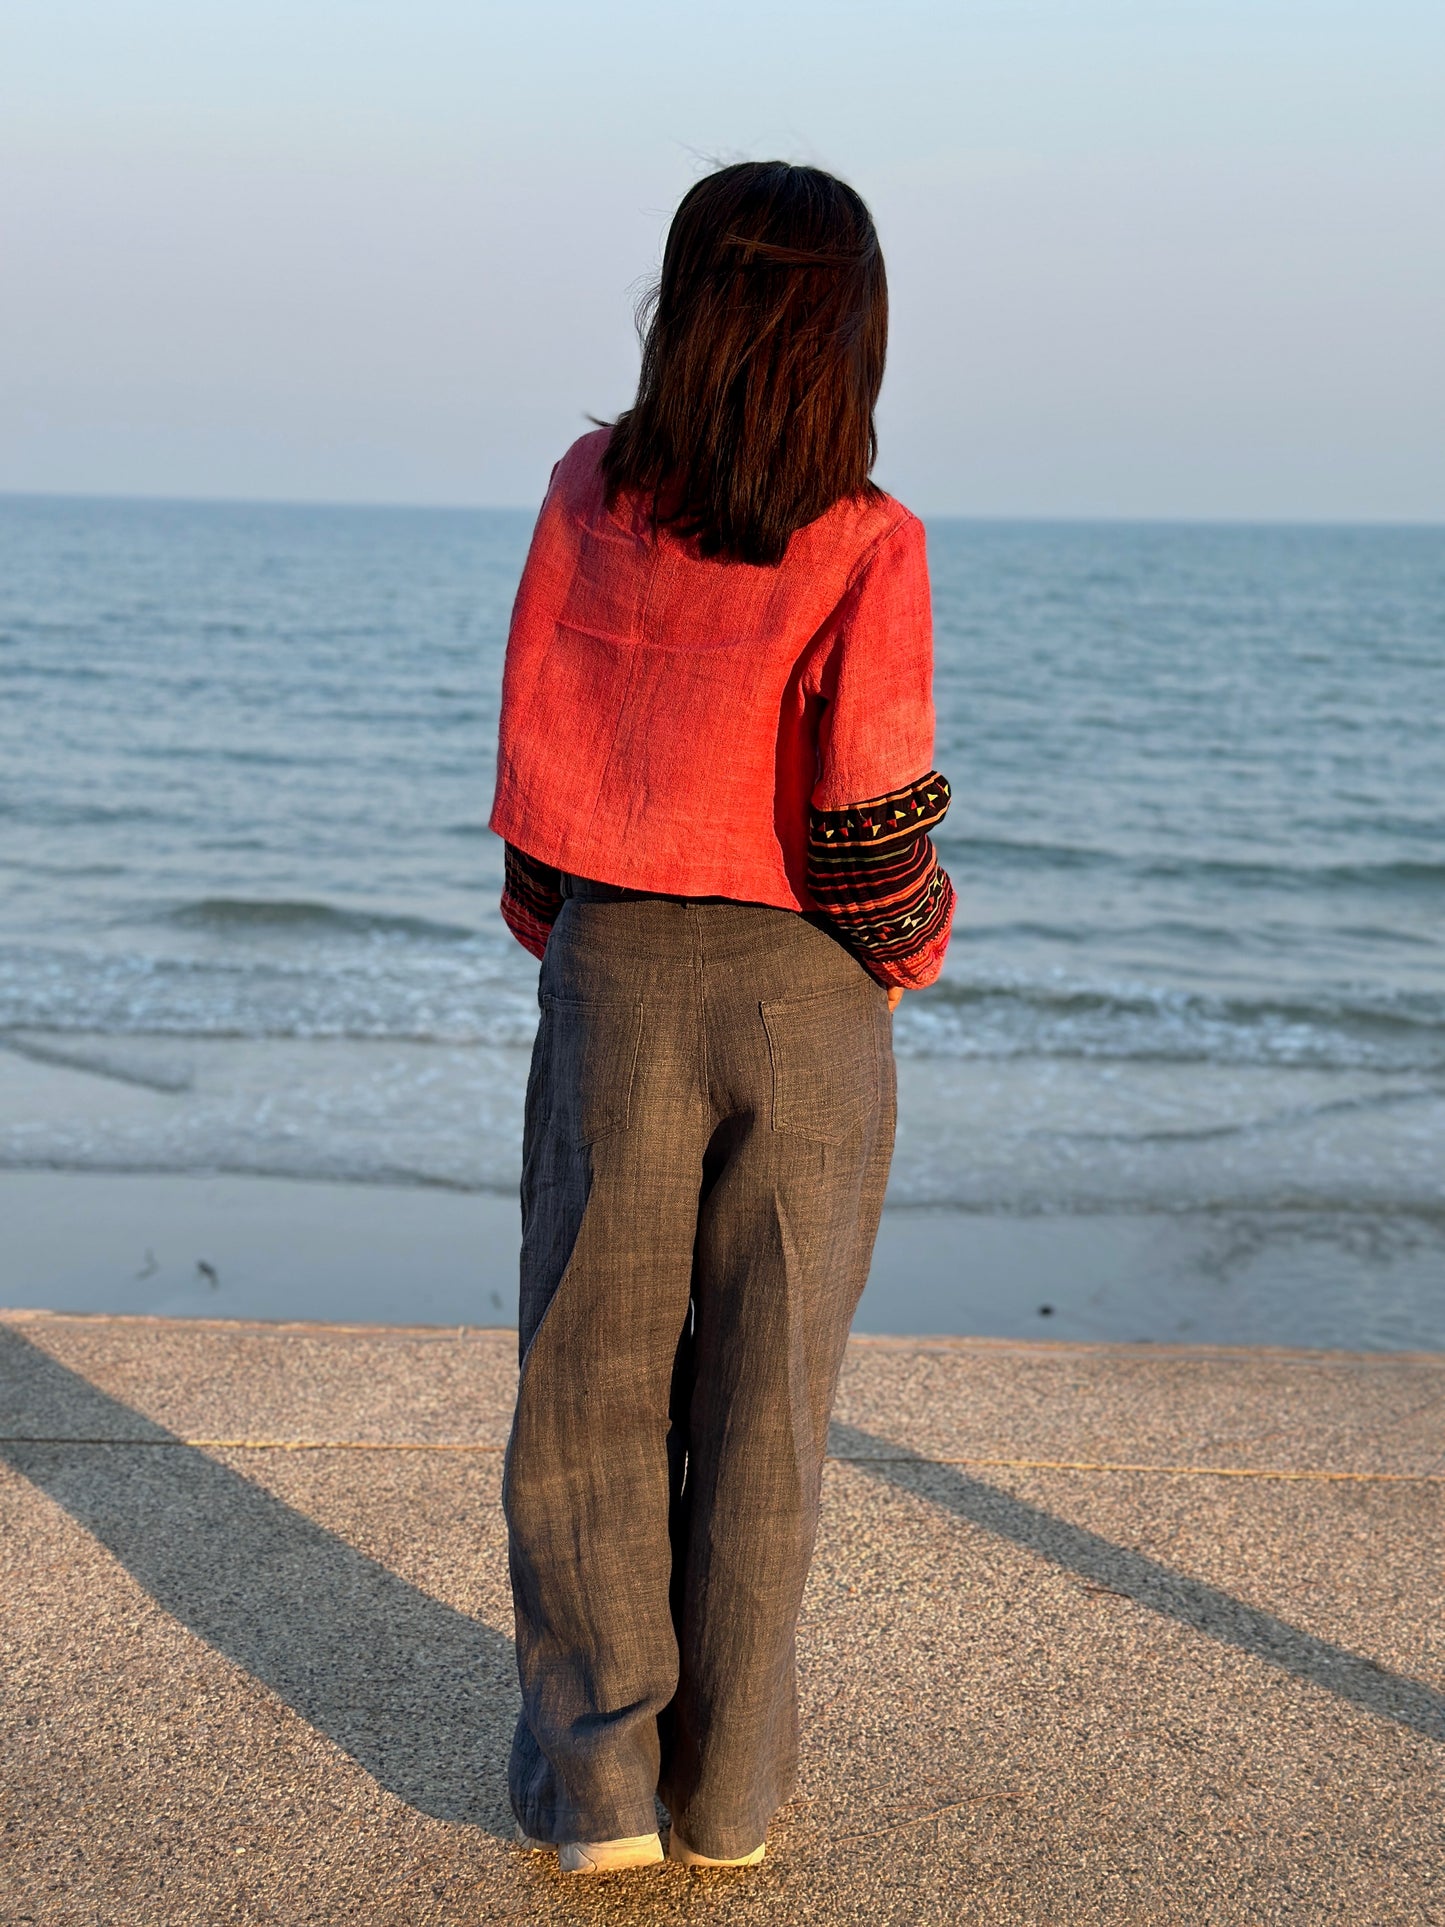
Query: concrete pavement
{"type": "Point", "coordinates": [1094, 1634]}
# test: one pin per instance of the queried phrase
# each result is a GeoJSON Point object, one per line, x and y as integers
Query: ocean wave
{"type": "Point", "coordinates": [1291, 1117]}
{"type": "Point", "coordinates": [1400, 1010]}
{"type": "Point", "coordinates": [300, 917]}
{"type": "Point", "coordinates": [411, 979]}
{"type": "Point", "coordinates": [52, 814]}
{"type": "Point", "coordinates": [1399, 1030]}
{"type": "Point", "coordinates": [1403, 1210]}
{"type": "Point", "coordinates": [102, 1061]}
{"type": "Point", "coordinates": [1399, 874]}
{"type": "Point", "coordinates": [453, 994]}
{"type": "Point", "coordinates": [297, 1166]}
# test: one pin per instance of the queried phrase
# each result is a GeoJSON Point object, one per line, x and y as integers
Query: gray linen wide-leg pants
{"type": "Point", "coordinates": [709, 1123]}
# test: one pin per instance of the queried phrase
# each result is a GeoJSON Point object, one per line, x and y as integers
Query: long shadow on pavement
{"type": "Point", "coordinates": [1392, 1696]}
{"type": "Point", "coordinates": [422, 1696]}
{"type": "Point", "coordinates": [419, 1694]}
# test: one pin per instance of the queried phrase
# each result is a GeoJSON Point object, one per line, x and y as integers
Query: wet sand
{"type": "Point", "coordinates": [256, 1247]}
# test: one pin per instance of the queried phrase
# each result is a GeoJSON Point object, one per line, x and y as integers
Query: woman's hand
{"type": "Point", "coordinates": [895, 996]}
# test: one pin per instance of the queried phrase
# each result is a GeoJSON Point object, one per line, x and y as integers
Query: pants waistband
{"type": "Point", "coordinates": [589, 890]}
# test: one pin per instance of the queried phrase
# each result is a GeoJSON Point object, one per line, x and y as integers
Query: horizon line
{"type": "Point", "coordinates": [1072, 518]}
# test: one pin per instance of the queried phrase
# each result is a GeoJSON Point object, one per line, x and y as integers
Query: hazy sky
{"type": "Point", "coordinates": [1179, 257]}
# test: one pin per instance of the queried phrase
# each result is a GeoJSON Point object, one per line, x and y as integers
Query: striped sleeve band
{"type": "Point", "coordinates": [873, 870]}
{"type": "Point", "coordinates": [531, 898]}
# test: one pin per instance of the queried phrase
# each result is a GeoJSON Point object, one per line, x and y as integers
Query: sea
{"type": "Point", "coordinates": [248, 898]}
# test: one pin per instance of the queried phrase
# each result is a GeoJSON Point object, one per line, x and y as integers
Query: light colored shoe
{"type": "Point", "coordinates": [679, 1850]}
{"type": "Point", "coordinates": [609, 1856]}
{"type": "Point", "coordinates": [598, 1856]}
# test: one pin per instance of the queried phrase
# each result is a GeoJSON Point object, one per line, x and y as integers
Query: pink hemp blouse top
{"type": "Point", "coordinates": [716, 728]}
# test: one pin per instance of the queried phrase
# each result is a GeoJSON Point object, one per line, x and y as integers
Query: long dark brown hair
{"type": "Point", "coordinates": [762, 358]}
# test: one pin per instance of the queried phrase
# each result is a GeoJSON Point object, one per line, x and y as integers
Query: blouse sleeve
{"type": "Point", "coordinates": [871, 864]}
{"type": "Point", "coordinates": [873, 870]}
{"type": "Point", "coordinates": [875, 677]}
{"type": "Point", "coordinates": [531, 898]}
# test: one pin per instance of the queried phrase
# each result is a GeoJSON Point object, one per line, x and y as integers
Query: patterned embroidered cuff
{"type": "Point", "coordinates": [531, 898]}
{"type": "Point", "coordinates": [873, 869]}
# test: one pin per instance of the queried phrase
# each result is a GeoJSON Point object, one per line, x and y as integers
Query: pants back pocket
{"type": "Point", "coordinates": [587, 1056]}
{"type": "Point", "coordinates": [825, 1060]}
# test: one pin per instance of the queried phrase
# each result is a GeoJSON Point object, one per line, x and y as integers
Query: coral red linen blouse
{"type": "Point", "coordinates": [672, 723]}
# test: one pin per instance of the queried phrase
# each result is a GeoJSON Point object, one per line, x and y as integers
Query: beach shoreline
{"type": "Point", "coordinates": [258, 1247]}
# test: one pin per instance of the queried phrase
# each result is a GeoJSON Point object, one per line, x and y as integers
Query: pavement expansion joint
{"type": "Point", "coordinates": [1306, 1475]}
